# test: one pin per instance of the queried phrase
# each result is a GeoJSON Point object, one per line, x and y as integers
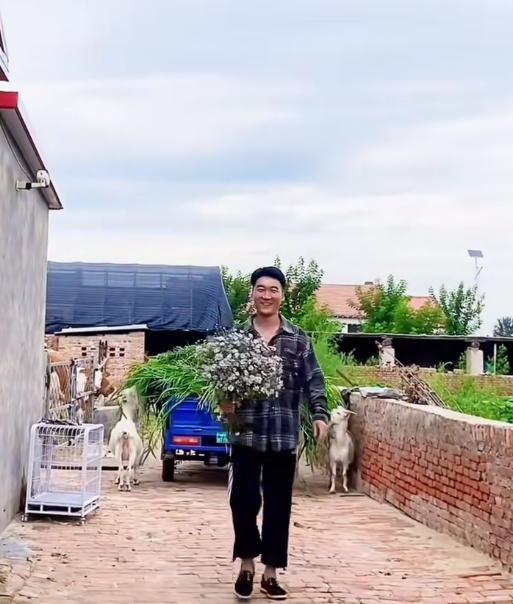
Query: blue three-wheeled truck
{"type": "Point", "coordinates": [192, 434]}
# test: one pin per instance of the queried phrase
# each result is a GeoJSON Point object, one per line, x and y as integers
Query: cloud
{"type": "Point", "coordinates": [464, 152]}
{"type": "Point", "coordinates": [173, 117]}
{"type": "Point", "coordinates": [376, 139]}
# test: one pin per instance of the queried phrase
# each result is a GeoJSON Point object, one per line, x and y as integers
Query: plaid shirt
{"type": "Point", "coordinates": [274, 424]}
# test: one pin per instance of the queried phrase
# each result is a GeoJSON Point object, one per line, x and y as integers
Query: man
{"type": "Point", "coordinates": [264, 451]}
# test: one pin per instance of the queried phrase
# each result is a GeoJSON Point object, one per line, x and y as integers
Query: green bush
{"type": "Point", "coordinates": [474, 398]}
{"type": "Point", "coordinates": [502, 366]}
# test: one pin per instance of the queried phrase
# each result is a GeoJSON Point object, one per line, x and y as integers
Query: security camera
{"type": "Point", "coordinates": [43, 178]}
{"type": "Point", "coordinates": [42, 182]}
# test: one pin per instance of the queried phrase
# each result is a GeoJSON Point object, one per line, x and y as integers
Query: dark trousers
{"type": "Point", "coordinates": [252, 474]}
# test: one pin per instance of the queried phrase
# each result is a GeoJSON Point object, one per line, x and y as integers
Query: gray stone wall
{"type": "Point", "coordinates": [23, 257]}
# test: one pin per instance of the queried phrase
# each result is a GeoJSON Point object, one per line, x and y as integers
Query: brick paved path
{"type": "Point", "coordinates": [171, 543]}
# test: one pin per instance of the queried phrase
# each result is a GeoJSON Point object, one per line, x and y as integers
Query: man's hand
{"type": "Point", "coordinates": [320, 430]}
{"type": "Point", "coordinates": [228, 408]}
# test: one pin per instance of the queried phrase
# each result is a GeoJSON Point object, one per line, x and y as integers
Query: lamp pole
{"type": "Point", "coordinates": [476, 255]}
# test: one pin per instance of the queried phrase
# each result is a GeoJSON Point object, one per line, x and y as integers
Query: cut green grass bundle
{"type": "Point", "coordinates": [165, 381]}
{"type": "Point", "coordinates": [331, 363]}
{"type": "Point", "coordinates": [172, 375]}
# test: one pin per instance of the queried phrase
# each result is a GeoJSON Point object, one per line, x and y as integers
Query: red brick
{"type": "Point", "coordinates": [171, 543]}
{"type": "Point", "coordinates": [470, 477]}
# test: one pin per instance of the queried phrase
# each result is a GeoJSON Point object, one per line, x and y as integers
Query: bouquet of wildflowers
{"type": "Point", "coordinates": [241, 367]}
{"type": "Point", "coordinates": [235, 367]}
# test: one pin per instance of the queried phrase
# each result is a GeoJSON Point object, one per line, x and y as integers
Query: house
{"type": "Point", "coordinates": [136, 310]}
{"type": "Point", "coordinates": [341, 300]}
{"type": "Point", "coordinates": [23, 258]}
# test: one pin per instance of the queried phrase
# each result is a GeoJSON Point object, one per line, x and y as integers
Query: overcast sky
{"type": "Point", "coordinates": [374, 136]}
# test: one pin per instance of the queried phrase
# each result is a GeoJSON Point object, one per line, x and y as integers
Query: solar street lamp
{"type": "Point", "coordinates": [476, 255]}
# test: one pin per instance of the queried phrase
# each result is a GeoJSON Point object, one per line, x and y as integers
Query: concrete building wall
{"type": "Point", "coordinates": [23, 257]}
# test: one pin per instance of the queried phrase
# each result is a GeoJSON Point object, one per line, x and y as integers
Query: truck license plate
{"type": "Point", "coordinates": [222, 438]}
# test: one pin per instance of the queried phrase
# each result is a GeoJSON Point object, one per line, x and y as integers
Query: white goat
{"type": "Point", "coordinates": [125, 442]}
{"type": "Point", "coordinates": [341, 446]}
{"type": "Point", "coordinates": [80, 415]}
{"type": "Point", "coordinates": [98, 375]}
{"type": "Point", "coordinates": [55, 393]}
{"type": "Point", "coordinates": [81, 382]}
{"type": "Point", "coordinates": [77, 413]}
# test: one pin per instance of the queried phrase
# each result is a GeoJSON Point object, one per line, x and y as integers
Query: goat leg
{"type": "Point", "coordinates": [135, 480]}
{"type": "Point", "coordinates": [122, 479]}
{"type": "Point", "coordinates": [124, 483]}
{"type": "Point", "coordinates": [118, 476]}
{"type": "Point", "coordinates": [333, 468]}
{"type": "Point", "coordinates": [344, 477]}
{"type": "Point", "coordinates": [132, 458]}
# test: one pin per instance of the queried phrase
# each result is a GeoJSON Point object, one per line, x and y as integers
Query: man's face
{"type": "Point", "coordinates": [267, 296]}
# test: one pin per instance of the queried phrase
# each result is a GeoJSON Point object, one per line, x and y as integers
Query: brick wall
{"type": "Point", "coordinates": [124, 350]}
{"type": "Point", "coordinates": [371, 375]}
{"type": "Point", "coordinates": [452, 472]}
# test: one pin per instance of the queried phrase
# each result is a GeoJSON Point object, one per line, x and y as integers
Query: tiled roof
{"type": "Point", "coordinates": [338, 299]}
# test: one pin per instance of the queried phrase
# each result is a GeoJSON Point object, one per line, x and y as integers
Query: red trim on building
{"type": "Point", "coordinates": [9, 100]}
{"type": "Point", "coordinates": [13, 116]}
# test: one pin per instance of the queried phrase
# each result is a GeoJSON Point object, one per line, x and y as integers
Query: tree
{"type": "Point", "coordinates": [303, 281]}
{"type": "Point", "coordinates": [381, 304]}
{"type": "Point", "coordinates": [462, 308]}
{"type": "Point", "coordinates": [386, 308]}
{"type": "Point", "coordinates": [317, 321]}
{"type": "Point", "coordinates": [238, 289]}
{"type": "Point", "coordinates": [429, 319]}
{"type": "Point", "coordinates": [503, 328]}
{"type": "Point", "coordinates": [502, 364]}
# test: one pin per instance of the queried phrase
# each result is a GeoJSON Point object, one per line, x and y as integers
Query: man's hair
{"type": "Point", "coordinates": [268, 271]}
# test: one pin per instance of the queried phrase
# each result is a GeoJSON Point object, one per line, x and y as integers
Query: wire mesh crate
{"type": "Point", "coordinates": [64, 474]}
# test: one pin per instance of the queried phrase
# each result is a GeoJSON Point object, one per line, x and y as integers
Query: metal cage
{"type": "Point", "coordinates": [64, 474]}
